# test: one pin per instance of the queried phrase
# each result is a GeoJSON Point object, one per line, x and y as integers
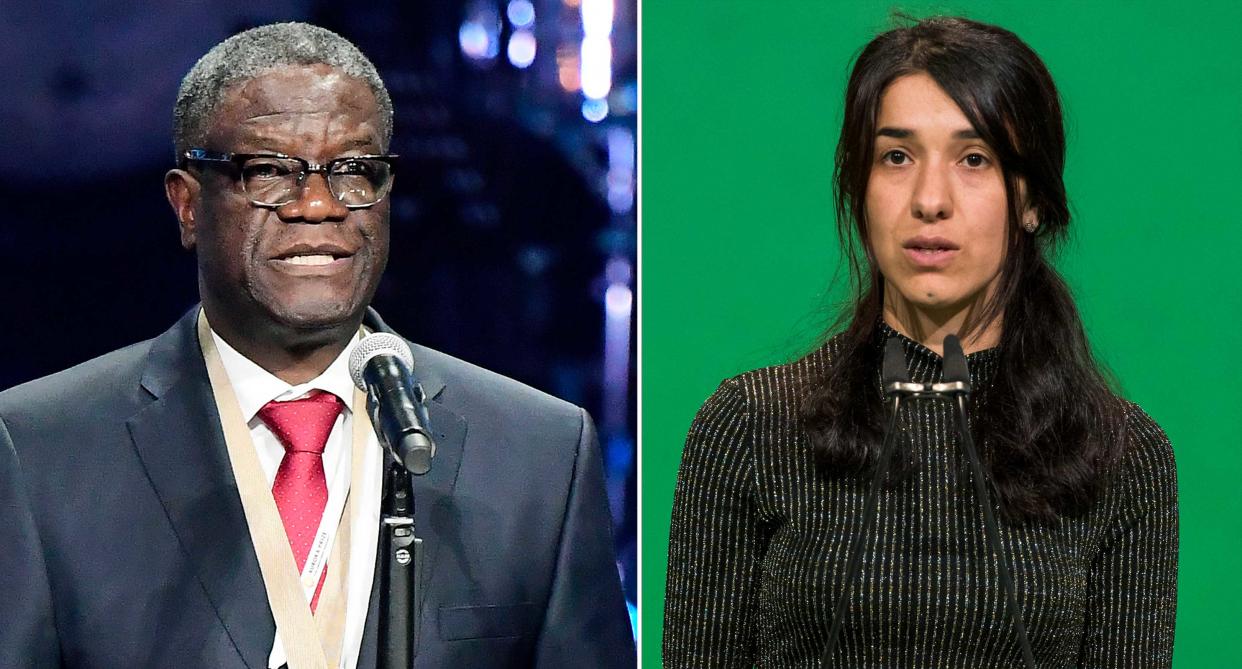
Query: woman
{"type": "Point", "coordinates": [950, 201]}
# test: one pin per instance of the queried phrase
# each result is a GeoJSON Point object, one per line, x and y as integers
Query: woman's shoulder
{"type": "Point", "coordinates": [1142, 476]}
{"type": "Point", "coordinates": [779, 386]}
{"type": "Point", "coordinates": [753, 407]}
{"type": "Point", "coordinates": [1147, 456]}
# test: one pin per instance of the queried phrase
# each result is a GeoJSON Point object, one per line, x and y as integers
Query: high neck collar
{"type": "Point", "coordinates": [926, 366]}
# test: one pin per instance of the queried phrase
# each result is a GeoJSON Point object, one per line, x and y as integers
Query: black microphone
{"type": "Point", "coordinates": [956, 371]}
{"type": "Point", "coordinates": [893, 368]}
{"type": "Point", "coordinates": [955, 368]}
{"type": "Point", "coordinates": [383, 366]}
{"type": "Point", "coordinates": [895, 379]}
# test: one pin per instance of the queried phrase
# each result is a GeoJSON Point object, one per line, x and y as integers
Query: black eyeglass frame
{"type": "Point", "coordinates": [237, 160]}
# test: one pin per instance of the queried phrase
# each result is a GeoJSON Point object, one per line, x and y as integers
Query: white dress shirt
{"type": "Point", "coordinates": [255, 387]}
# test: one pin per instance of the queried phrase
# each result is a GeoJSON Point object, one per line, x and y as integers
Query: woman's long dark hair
{"type": "Point", "coordinates": [1051, 420]}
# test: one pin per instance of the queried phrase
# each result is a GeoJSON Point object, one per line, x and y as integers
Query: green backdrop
{"type": "Point", "coordinates": [741, 106]}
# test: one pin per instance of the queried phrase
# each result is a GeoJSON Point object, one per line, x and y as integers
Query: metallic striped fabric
{"type": "Point", "coordinates": [759, 544]}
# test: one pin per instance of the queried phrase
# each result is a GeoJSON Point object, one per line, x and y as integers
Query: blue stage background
{"type": "Point", "coordinates": [513, 223]}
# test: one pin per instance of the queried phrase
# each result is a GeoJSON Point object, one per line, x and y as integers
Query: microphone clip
{"type": "Point", "coordinates": [944, 390]}
{"type": "Point", "coordinates": [896, 379]}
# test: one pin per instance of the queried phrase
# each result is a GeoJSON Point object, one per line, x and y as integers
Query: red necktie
{"type": "Point", "coordinates": [300, 488]}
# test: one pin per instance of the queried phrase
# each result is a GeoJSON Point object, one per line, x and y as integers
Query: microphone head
{"type": "Point", "coordinates": [955, 368]}
{"type": "Point", "coordinates": [379, 343]}
{"type": "Point", "coordinates": [893, 369]}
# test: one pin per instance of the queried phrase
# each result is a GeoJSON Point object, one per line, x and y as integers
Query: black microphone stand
{"type": "Point", "coordinates": [401, 568]}
{"type": "Point", "coordinates": [400, 572]}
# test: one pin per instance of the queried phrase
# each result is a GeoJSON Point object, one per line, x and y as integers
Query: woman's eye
{"type": "Point", "coordinates": [895, 157]}
{"type": "Point", "coordinates": [976, 160]}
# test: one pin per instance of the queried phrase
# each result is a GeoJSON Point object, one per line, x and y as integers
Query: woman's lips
{"type": "Point", "coordinates": [931, 257]}
{"type": "Point", "coordinates": [930, 251]}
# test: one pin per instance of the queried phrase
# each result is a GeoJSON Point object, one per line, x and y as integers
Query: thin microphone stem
{"type": "Point", "coordinates": [989, 521]}
{"type": "Point", "coordinates": [856, 548]}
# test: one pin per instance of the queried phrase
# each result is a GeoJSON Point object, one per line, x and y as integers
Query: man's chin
{"type": "Point", "coordinates": [317, 315]}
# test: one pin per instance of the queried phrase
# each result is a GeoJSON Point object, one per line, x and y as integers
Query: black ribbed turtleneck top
{"type": "Point", "coordinates": [759, 543]}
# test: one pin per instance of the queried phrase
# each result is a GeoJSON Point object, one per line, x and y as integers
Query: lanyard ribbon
{"type": "Point", "coordinates": [306, 641]}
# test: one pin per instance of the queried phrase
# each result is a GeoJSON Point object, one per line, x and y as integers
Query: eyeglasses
{"type": "Point", "coordinates": [274, 179]}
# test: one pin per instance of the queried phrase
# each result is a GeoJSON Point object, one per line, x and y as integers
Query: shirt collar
{"type": "Point", "coordinates": [255, 386]}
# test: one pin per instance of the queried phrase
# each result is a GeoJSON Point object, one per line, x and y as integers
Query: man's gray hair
{"type": "Point", "coordinates": [251, 53]}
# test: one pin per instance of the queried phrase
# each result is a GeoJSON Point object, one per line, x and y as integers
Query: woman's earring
{"type": "Point", "coordinates": [1030, 223]}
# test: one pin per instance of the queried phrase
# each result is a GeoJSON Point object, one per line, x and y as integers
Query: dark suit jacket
{"type": "Point", "coordinates": [123, 542]}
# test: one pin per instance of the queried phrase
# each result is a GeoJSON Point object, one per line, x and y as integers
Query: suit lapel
{"type": "Point", "coordinates": [433, 491]}
{"type": "Point", "coordinates": [432, 495]}
{"type": "Point", "coordinates": [179, 440]}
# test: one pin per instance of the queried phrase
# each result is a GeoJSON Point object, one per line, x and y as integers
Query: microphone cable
{"type": "Point", "coordinates": [956, 370]}
{"type": "Point", "coordinates": [893, 376]}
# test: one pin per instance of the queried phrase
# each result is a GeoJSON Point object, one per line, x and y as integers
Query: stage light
{"type": "Point", "coordinates": [522, 47]}
{"type": "Point", "coordinates": [618, 320]}
{"type": "Point", "coordinates": [521, 13]}
{"type": "Point", "coordinates": [594, 110]}
{"type": "Point", "coordinates": [596, 66]}
{"type": "Point", "coordinates": [624, 99]}
{"type": "Point", "coordinates": [479, 35]}
{"type": "Point", "coordinates": [620, 170]}
{"type": "Point", "coordinates": [597, 18]}
{"type": "Point", "coordinates": [618, 300]}
{"type": "Point", "coordinates": [568, 68]}
{"type": "Point", "coordinates": [473, 40]}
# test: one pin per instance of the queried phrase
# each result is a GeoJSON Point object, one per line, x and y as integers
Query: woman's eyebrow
{"type": "Point", "coordinates": [899, 133]}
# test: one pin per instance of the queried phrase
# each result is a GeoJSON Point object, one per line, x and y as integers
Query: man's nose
{"type": "Point", "coordinates": [315, 203]}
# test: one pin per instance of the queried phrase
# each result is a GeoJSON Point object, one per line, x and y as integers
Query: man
{"type": "Point", "coordinates": [132, 535]}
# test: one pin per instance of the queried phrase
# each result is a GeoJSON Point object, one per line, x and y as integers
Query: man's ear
{"type": "Point", "coordinates": [183, 191]}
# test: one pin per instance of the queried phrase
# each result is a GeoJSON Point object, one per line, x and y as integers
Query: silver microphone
{"type": "Point", "coordinates": [382, 365]}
